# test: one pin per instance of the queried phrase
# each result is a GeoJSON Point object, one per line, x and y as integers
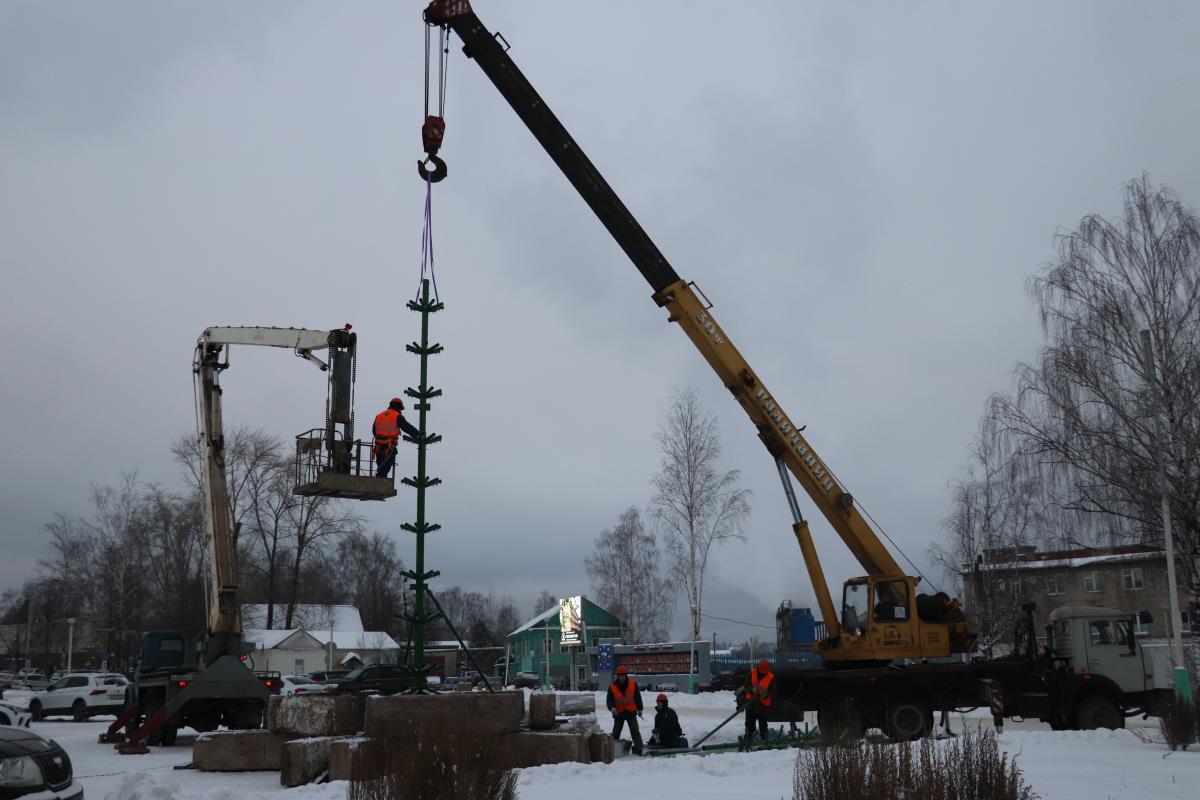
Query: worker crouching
{"type": "Point", "coordinates": [667, 732]}
{"type": "Point", "coordinates": [625, 702]}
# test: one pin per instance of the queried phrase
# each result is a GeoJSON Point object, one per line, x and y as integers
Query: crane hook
{"type": "Point", "coordinates": [439, 168]}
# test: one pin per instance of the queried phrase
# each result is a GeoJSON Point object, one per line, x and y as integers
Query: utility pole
{"type": "Point", "coordinates": [70, 640]}
{"type": "Point", "coordinates": [1183, 686]}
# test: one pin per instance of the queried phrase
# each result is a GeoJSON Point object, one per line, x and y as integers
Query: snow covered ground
{"type": "Point", "coordinates": [1059, 765]}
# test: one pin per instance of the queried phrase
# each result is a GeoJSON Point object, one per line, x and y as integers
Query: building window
{"type": "Point", "coordinates": [1001, 585]}
{"type": "Point", "coordinates": [546, 646]}
{"type": "Point", "coordinates": [1185, 621]}
{"type": "Point", "coordinates": [1131, 579]}
{"type": "Point", "coordinates": [1091, 582]}
{"type": "Point", "coordinates": [1054, 584]}
{"type": "Point", "coordinates": [1140, 628]}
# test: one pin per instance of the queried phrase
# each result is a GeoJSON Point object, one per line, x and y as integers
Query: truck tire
{"type": "Point", "coordinates": [35, 711]}
{"type": "Point", "coordinates": [840, 719]}
{"type": "Point", "coordinates": [167, 736]}
{"type": "Point", "coordinates": [79, 711]}
{"type": "Point", "coordinates": [908, 719]}
{"type": "Point", "coordinates": [1097, 711]}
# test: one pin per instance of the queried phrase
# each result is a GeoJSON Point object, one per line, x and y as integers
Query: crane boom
{"type": "Point", "coordinates": [779, 434]}
{"type": "Point", "coordinates": [224, 613]}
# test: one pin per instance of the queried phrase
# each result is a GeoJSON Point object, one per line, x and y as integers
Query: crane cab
{"type": "Point", "coordinates": [883, 619]}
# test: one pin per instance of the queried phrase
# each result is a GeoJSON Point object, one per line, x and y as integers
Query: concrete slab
{"type": "Point", "coordinates": [484, 712]}
{"type": "Point", "coordinates": [542, 708]}
{"type": "Point", "coordinates": [351, 758]}
{"type": "Point", "coordinates": [573, 703]}
{"type": "Point", "coordinates": [535, 748]}
{"type": "Point", "coordinates": [601, 748]}
{"type": "Point", "coordinates": [238, 751]}
{"type": "Point", "coordinates": [302, 760]}
{"type": "Point", "coordinates": [310, 715]}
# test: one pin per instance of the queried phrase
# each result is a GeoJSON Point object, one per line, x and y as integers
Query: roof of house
{"type": "Point", "coordinates": [548, 614]}
{"type": "Point", "coordinates": [1069, 559]}
{"type": "Point", "coordinates": [342, 640]}
{"type": "Point", "coordinates": [306, 616]}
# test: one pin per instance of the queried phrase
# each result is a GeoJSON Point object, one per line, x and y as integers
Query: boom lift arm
{"type": "Point", "coordinates": [782, 437]}
{"type": "Point", "coordinates": [224, 615]}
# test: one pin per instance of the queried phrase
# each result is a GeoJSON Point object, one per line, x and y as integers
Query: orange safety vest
{"type": "Point", "coordinates": [387, 428]}
{"type": "Point", "coordinates": [764, 684]}
{"type": "Point", "coordinates": [623, 701]}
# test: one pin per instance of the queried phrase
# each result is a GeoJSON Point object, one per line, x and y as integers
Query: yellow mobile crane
{"type": "Point", "coordinates": [882, 617]}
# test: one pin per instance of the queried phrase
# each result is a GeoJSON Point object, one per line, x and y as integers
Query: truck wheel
{"type": "Point", "coordinates": [1097, 711]}
{"type": "Point", "coordinates": [840, 719]}
{"type": "Point", "coordinates": [167, 736]}
{"type": "Point", "coordinates": [908, 719]}
{"type": "Point", "coordinates": [79, 711]}
{"type": "Point", "coordinates": [35, 711]}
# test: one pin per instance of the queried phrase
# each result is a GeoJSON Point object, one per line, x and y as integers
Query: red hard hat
{"type": "Point", "coordinates": [764, 665]}
{"type": "Point", "coordinates": [662, 698]}
{"type": "Point", "coordinates": [622, 671]}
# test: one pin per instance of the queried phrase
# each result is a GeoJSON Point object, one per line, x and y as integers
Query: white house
{"type": "Point", "coordinates": [330, 637]}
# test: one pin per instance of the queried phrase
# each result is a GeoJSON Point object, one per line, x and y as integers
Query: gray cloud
{"type": "Point", "coordinates": [862, 192]}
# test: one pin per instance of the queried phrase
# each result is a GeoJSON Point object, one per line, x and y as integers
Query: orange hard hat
{"type": "Point", "coordinates": [764, 665]}
{"type": "Point", "coordinates": [662, 698]}
{"type": "Point", "coordinates": [622, 671]}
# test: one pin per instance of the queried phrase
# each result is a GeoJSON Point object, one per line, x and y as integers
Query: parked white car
{"type": "Point", "coordinates": [82, 695]}
{"type": "Point", "coordinates": [14, 715]}
{"type": "Point", "coordinates": [301, 684]}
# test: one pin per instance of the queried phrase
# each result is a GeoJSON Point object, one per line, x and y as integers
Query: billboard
{"type": "Point", "coordinates": [570, 619]}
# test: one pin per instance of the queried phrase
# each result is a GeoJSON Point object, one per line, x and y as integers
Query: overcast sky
{"type": "Point", "coordinates": [862, 189]}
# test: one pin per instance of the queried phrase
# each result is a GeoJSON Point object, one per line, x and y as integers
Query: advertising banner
{"type": "Point", "coordinates": [570, 618]}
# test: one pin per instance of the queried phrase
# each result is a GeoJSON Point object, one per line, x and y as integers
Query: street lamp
{"type": "Point", "coordinates": [70, 640]}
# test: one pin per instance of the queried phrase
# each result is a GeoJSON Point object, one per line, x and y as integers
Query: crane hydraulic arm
{"type": "Point", "coordinates": [684, 304]}
{"type": "Point", "coordinates": [224, 615]}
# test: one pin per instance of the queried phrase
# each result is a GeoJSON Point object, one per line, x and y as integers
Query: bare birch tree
{"type": "Point", "coordinates": [625, 571]}
{"type": "Point", "coordinates": [697, 506]}
{"type": "Point", "coordinates": [1086, 409]}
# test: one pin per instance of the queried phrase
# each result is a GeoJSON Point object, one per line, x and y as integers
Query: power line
{"type": "Point", "coordinates": [739, 622]}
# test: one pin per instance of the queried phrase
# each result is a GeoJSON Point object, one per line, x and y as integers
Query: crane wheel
{"type": "Point", "coordinates": [909, 719]}
{"type": "Point", "coordinates": [1097, 711]}
{"type": "Point", "coordinates": [840, 719]}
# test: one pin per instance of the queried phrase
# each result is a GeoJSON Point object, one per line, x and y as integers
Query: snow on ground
{"type": "Point", "coordinates": [1060, 765]}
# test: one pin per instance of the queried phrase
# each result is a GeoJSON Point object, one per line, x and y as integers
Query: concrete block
{"type": "Point", "coordinates": [572, 703]}
{"type": "Point", "coordinates": [483, 712]}
{"type": "Point", "coordinates": [355, 758]}
{"type": "Point", "coordinates": [541, 711]}
{"type": "Point", "coordinates": [601, 748]}
{"type": "Point", "coordinates": [534, 748]}
{"type": "Point", "coordinates": [238, 751]}
{"type": "Point", "coordinates": [302, 760]}
{"type": "Point", "coordinates": [310, 715]}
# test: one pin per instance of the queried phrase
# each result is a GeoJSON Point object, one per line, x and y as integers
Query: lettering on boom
{"type": "Point", "coordinates": [795, 441]}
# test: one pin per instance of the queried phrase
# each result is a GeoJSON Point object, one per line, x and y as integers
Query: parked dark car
{"type": "Point", "coordinates": [526, 680]}
{"type": "Point", "coordinates": [329, 676]}
{"type": "Point", "coordinates": [725, 681]}
{"type": "Point", "coordinates": [381, 678]}
{"type": "Point", "coordinates": [33, 765]}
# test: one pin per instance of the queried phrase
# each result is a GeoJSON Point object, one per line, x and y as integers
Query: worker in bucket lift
{"type": "Point", "coordinates": [667, 732]}
{"type": "Point", "coordinates": [625, 702]}
{"type": "Point", "coordinates": [388, 425]}
{"type": "Point", "coordinates": [755, 696]}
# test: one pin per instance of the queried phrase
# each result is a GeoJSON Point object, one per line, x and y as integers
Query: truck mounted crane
{"type": "Point", "coordinates": [199, 679]}
{"type": "Point", "coordinates": [883, 617]}
{"type": "Point", "coordinates": [884, 644]}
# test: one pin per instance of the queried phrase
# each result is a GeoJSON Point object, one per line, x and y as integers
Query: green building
{"type": "Point", "coordinates": [538, 646]}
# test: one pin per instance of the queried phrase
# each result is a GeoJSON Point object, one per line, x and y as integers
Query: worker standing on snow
{"type": "Point", "coordinates": [625, 702]}
{"type": "Point", "coordinates": [388, 425]}
{"type": "Point", "coordinates": [756, 696]}
{"type": "Point", "coordinates": [667, 732]}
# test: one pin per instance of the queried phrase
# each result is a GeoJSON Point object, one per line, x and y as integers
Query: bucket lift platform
{"type": "Point", "coordinates": [346, 470]}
